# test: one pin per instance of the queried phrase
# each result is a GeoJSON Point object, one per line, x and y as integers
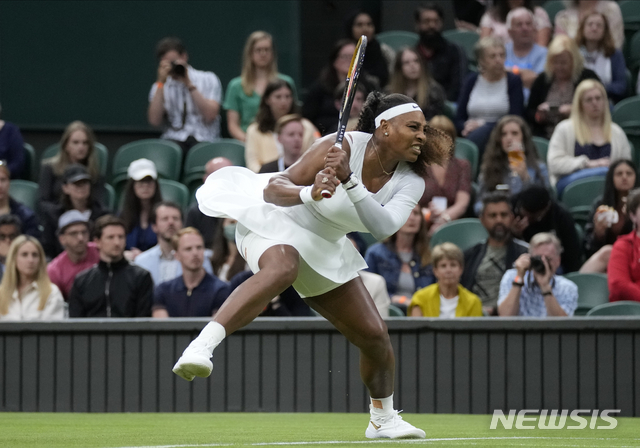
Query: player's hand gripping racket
{"type": "Point", "coordinates": [349, 94]}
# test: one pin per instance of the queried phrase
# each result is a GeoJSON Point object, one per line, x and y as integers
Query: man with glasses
{"type": "Point", "coordinates": [184, 101]}
{"type": "Point", "coordinates": [9, 230]}
{"type": "Point", "coordinates": [79, 254]}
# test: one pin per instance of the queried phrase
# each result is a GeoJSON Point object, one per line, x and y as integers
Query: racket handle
{"type": "Point", "coordinates": [326, 194]}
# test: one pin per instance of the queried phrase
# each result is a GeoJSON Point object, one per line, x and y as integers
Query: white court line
{"type": "Point", "coordinates": [346, 442]}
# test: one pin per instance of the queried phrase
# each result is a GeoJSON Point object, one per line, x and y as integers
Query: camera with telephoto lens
{"type": "Point", "coordinates": [177, 69]}
{"type": "Point", "coordinates": [538, 265]}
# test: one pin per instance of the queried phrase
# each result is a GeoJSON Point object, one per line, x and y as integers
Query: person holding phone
{"type": "Point", "coordinates": [532, 288]}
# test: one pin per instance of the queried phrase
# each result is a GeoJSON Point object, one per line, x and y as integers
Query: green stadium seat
{"type": "Point", "coordinates": [542, 146]}
{"type": "Point", "coordinates": [398, 39]}
{"type": "Point", "coordinates": [24, 191]}
{"type": "Point", "coordinates": [175, 192]}
{"type": "Point", "coordinates": [621, 308]}
{"type": "Point", "coordinates": [579, 195]}
{"type": "Point", "coordinates": [464, 233]}
{"type": "Point", "coordinates": [553, 7]}
{"type": "Point", "coordinates": [110, 200]}
{"type": "Point", "coordinates": [201, 153]}
{"type": "Point", "coordinates": [593, 290]}
{"type": "Point", "coordinates": [466, 39]}
{"type": "Point", "coordinates": [633, 56]}
{"type": "Point", "coordinates": [626, 115]}
{"type": "Point", "coordinates": [102, 151]}
{"type": "Point", "coordinates": [166, 154]}
{"type": "Point", "coordinates": [466, 149]}
{"type": "Point", "coordinates": [30, 170]}
{"type": "Point", "coordinates": [394, 311]}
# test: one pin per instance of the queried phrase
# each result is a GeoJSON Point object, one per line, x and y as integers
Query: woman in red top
{"type": "Point", "coordinates": [624, 263]}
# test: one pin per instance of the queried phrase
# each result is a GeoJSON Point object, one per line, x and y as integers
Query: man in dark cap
{"type": "Point", "coordinates": [536, 212]}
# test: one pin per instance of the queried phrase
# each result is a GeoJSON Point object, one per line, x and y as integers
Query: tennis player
{"type": "Point", "coordinates": [290, 235]}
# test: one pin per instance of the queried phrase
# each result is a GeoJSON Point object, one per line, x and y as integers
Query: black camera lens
{"type": "Point", "coordinates": [538, 265]}
{"type": "Point", "coordinates": [177, 69]}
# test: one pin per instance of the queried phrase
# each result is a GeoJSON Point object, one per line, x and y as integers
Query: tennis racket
{"type": "Point", "coordinates": [349, 94]}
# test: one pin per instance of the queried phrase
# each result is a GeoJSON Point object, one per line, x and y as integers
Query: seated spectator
{"type": "Point", "coordinates": [447, 190]}
{"type": "Point", "coordinates": [26, 293]}
{"type": "Point", "coordinates": [379, 56]}
{"type": "Point", "coordinates": [568, 20]}
{"type": "Point", "coordinates": [161, 260]}
{"type": "Point", "coordinates": [141, 194]}
{"type": "Point", "coordinates": [11, 148]}
{"type": "Point", "coordinates": [8, 205]}
{"type": "Point", "coordinates": [488, 95]}
{"type": "Point", "coordinates": [114, 287]}
{"type": "Point", "coordinates": [259, 68]}
{"type": "Point", "coordinates": [532, 289]}
{"type": "Point", "coordinates": [485, 263]}
{"type": "Point", "coordinates": [510, 162]}
{"type": "Point", "coordinates": [552, 92]}
{"type": "Point", "coordinates": [445, 60]}
{"type": "Point", "coordinates": [609, 219]}
{"type": "Point", "coordinates": [410, 77]}
{"type": "Point", "coordinates": [76, 195]}
{"type": "Point", "coordinates": [600, 55]}
{"type": "Point", "coordinates": [195, 292]}
{"type": "Point", "coordinates": [289, 131]}
{"type": "Point", "coordinates": [226, 260]}
{"type": "Point", "coordinates": [525, 57]}
{"type": "Point", "coordinates": [495, 22]}
{"type": "Point", "coordinates": [535, 213]}
{"type": "Point", "coordinates": [261, 145]}
{"type": "Point", "coordinates": [404, 260]}
{"type": "Point", "coordinates": [206, 225]}
{"type": "Point", "coordinates": [447, 298]}
{"type": "Point", "coordinates": [79, 254]}
{"type": "Point", "coordinates": [77, 145]}
{"type": "Point", "coordinates": [587, 143]}
{"type": "Point", "coordinates": [356, 107]}
{"type": "Point", "coordinates": [184, 102]}
{"type": "Point", "coordinates": [9, 230]}
{"type": "Point", "coordinates": [319, 105]}
{"type": "Point", "coordinates": [623, 272]}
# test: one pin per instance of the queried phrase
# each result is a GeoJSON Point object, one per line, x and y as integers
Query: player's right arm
{"type": "Point", "coordinates": [284, 188]}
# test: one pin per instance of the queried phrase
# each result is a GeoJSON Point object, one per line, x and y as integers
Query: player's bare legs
{"type": "Point", "coordinates": [278, 269]}
{"type": "Point", "coordinates": [352, 311]}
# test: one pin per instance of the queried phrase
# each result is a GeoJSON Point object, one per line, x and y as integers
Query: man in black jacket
{"type": "Point", "coordinates": [114, 287]}
{"type": "Point", "coordinates": [485, 263]}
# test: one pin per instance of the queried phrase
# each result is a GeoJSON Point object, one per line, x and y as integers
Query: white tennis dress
{"type": "Point", "coordinates": [316, 230]}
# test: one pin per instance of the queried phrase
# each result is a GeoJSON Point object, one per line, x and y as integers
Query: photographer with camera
{"type": "Point", "coordinates": [532, 289]}
{"type": "Point", "coordinates": [184, 101]}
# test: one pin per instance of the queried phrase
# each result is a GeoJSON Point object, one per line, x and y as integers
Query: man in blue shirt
{"type": "Point", "coordinates": [532, 289]}
{"type": "Point", "coordinates": [524, 57]}
{"type": "Point", "coordinates": [195, 293]}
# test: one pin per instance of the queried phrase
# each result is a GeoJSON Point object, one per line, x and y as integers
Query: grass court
{"type": "Point", "coordinates": [175, 430]}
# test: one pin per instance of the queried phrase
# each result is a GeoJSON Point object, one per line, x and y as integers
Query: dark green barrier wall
{"type": "Point", "coordinates": [94, 60]}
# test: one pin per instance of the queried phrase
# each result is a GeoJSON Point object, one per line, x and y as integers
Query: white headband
{"type": "Point", "coordinates": [395, 111]}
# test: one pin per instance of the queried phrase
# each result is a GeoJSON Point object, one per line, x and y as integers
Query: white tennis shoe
{"type": "Point", "coordinates": [195, 361]}
{"type": "Point", "coordinates": [392, 426]}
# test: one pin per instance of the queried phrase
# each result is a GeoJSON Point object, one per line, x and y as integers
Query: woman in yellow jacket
{"type": "Point", "coordinates": [446, 298]}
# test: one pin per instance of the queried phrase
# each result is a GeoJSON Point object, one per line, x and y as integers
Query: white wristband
{"type": "Point", "coordinates": [357, 192]}
{"type": "Point", "coordinates": [305, 195]}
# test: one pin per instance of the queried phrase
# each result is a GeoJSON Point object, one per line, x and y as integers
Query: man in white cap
{"type": "Point", "coordinates": [79, 254]}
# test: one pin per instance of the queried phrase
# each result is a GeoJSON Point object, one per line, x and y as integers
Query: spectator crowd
{"type": "Point", "coordinates": [531, 79]}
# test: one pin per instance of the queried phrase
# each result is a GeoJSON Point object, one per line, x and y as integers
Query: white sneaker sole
{"type": "Point", "coordinates": [190, 366]}
{"type": "Point", "coordinates": [410, 433]}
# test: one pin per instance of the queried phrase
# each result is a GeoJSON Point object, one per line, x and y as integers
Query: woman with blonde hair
{"type": "Point", "coordinates": [410, 77]}
{"type": "Point", "coordinates": [77, 145]}
{"type": "Point", "coordinates": [552, 91]}
{"type": "Point", "coordinates": [259, 68]}
{"type": "Point", "coordinates": [600, 54]}
{"type": "Point", "coordinates": [26, 293]}
{"type": "Point", "coordinates": [586, 143]}
{"type": "Point", "coordinates": [510, 160]}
